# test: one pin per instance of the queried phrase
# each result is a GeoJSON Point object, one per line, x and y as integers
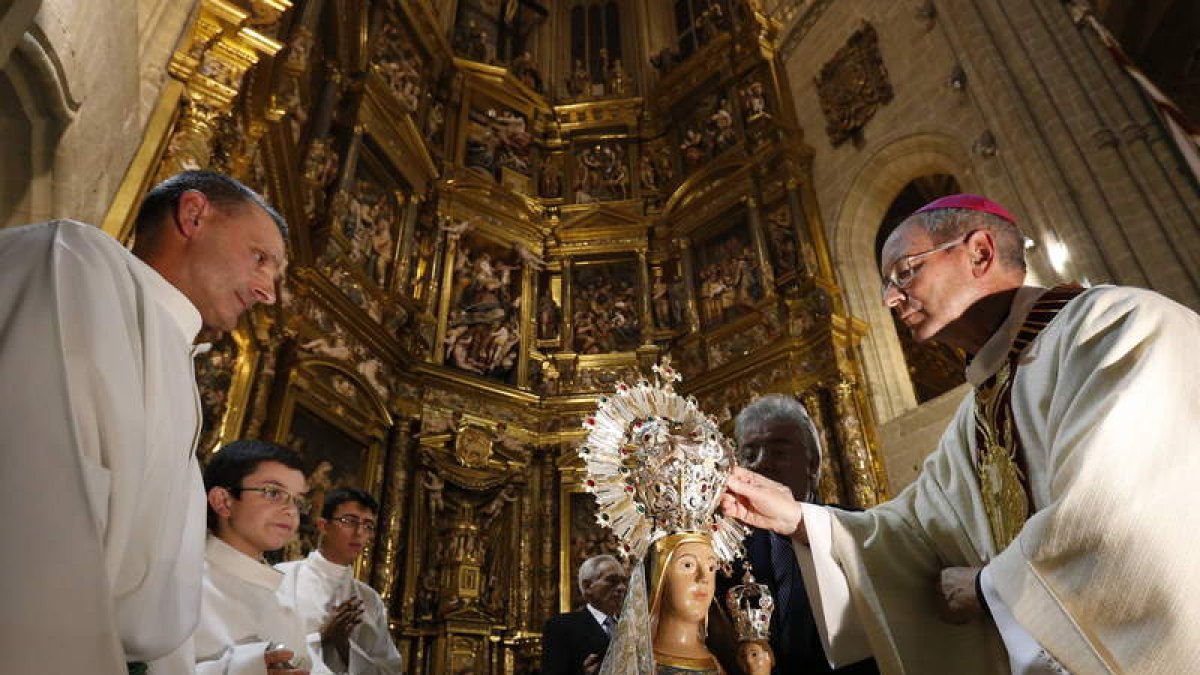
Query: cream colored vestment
{"type": "Point", "coordinates": [1103, 574]}
{"type": "Point", "coordinates": [315, 585]}
{"type": "Point", "coordinates": [101, 493]}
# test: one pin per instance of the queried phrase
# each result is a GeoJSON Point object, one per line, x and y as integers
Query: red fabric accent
{"type": "Point", "coordinates": [970, 202]}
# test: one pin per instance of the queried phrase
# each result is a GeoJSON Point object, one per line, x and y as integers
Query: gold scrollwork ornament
{"type": "Point", "coordinates": [1001, 481]}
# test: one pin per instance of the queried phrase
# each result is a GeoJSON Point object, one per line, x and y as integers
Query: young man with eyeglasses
{"type": "Point", "coordinates": [346, 619]}
{"type": "Point", "coordinates": [255, 500]}
{"type": "Point", "coordinates": [1048, 533]}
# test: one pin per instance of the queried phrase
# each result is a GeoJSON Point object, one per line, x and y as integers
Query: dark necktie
{"type": "Point", "coordinates": [610, 624]}
{"type": "Point", "coordinates": [781, 564]}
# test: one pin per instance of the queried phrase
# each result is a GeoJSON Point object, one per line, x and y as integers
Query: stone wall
{"type": "Point", "coordinates": [84, 77]}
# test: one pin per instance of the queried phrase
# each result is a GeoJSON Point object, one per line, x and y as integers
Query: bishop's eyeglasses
{"type": "Point", "coordinates": [905, 269]}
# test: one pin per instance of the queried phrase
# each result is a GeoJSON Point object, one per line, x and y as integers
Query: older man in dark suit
{"type": "Point", "coordinates": [777, 438]}
{"type": "Point", "coordinates": [574, 643]}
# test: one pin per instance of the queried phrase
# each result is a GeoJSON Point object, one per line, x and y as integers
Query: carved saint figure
{"type": "Point", "coordinates": [580, 81]}
{"type": "Point", "coordinates": [755, 657]}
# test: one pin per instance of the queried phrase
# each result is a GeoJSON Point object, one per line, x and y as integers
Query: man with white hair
{"type": "Point", "coordinates": [776, 438]}
{"type": "Point", "coordinates": [574, 643]}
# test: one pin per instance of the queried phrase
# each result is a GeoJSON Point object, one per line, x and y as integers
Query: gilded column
{"type": "Point", "coordinates": [861, 481]}
{"type": "Point", "coordinates": [760, 245]}
{"type": "Point", "coordinates": [442, 242]}
{"type": "Point", "coordinates": [644, 278]}
{"type": "Point", "coordinates": [268, 347]}
{"type": "Point", "coordinates": [829, 485]}
{"type": "Point", "coordinates": [443, 304]}
{"type": "Point", "coordinates": [222, 47]}
{"type": "Point", "coordinates": [387, 561]}
{"type": "Point", "coordinates": [685, 256]}
{"type": "Point", "coordinates": [808, 258]}
{"type": "Point", "coordinates": [547, 586]}
{"type": "Point", "coordinates": [526, 541]}
{"type": "Point", "coordinates": [527, 332]}
{"type": "Point", "coordinates": [407, 240]}
{"type": "Point", "coordinates": [568, 306]}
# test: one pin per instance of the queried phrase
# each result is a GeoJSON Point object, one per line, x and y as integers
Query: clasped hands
{"type": "Point", "coordinates": [763, 503]}
{"type": "Point", "coordinates": [341, 620]}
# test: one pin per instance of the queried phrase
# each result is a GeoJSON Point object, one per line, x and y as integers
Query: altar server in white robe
{"type": "Point", "coordinates": [255, 499]}
{"type": "Point", "coordinates": [1056, 519]}
{"type": "Point", "coordinates": [99, 416]}
{"type": "Point", "coordinates": [346, 619]}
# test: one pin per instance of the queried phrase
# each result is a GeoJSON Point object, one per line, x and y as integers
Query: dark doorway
{"type": "Point", "coordinates": [933, 368]}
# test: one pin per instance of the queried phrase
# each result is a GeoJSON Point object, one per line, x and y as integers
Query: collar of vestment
{"type": "Point", "coordinates": [186, 316]}
{"type": "Point", "coordinates": [1000, 464]}
{"type": "Point", "coordinates": [223, 557]}
{"type": "Point", "coordinates": [994, 352]}
{"type": "Point", "coordinates": [330, 570]}
{"type": "Point", "coordinates": [597, 615]}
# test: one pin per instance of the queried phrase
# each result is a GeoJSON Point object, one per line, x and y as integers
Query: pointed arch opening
{"type": "Point", "coordinates": [934, 368]}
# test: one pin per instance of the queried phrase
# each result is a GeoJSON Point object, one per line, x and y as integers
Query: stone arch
{"type": "Point", "coordinates": [26, 194]}
{"type": "Point", "coordinates": [35, 107]}
{"type": "Point", "coordinates": [852, 244]}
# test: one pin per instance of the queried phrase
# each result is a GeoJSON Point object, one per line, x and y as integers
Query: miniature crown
{"type": "Point", "coordinates": [750, 605]}
{"type": "Point", "coordinates": [657, 466]}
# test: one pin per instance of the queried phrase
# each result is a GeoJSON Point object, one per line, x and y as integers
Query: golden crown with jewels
{"type": "Point", "coordinates": [750, 605]}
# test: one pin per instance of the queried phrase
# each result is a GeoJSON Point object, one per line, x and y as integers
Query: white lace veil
{"type": "Point", "coordinates": [631, 651]}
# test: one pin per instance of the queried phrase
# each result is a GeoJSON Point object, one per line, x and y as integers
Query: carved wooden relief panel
{"type": "Point", "coordinates": [853, 85]}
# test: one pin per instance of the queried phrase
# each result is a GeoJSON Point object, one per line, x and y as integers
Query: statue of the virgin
{"type": "Point", "coordinates": [657, 466]}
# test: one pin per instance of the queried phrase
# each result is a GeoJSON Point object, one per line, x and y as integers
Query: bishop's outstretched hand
{"type": "Point", "coordinates": [761, 502]}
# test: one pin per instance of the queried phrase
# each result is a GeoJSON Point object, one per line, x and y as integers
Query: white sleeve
{"type": "Point", "coordinates": [244, 659]}
{"type": "Point", "coordinates": [841, 631]}
{"type": "Point", "coordinates": [60, 423]}
{"type": "Point", "coordinates": [1025, 655]}
{"type": "Point", "coordinates": [374, 653]}
{"type": "Point", "coordinates": [323, 662]}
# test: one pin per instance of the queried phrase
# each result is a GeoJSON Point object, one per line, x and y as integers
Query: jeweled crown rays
{"type": "Point", "coordinates": [657, 466]}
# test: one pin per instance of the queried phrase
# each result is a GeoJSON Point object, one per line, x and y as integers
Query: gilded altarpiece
{"type": "Point", "coordinates": [479, 246]}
